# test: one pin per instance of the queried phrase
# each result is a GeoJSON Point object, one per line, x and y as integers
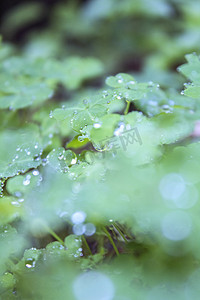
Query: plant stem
{"type": "Point", "coordinates": [86, 245]}
{"type": "Point", "coordinates": [120, 232]}
{"type": "Point", "coordinates": [56, 237]}
{"type": "Point", "coordinates": [127, 107]}
{"type": "Point", "coordinates": [111, 241]}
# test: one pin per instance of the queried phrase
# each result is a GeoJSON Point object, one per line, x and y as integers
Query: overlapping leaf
{"type": "Point", "coordinates": [20, 150]}
{"type": "Point", "coordinates": [192, 71]}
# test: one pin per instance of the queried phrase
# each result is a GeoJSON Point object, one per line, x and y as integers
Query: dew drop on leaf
{"type": "Point", "coordinates": [30, 263]}
{"type": "Point", "coordinates": [97, 125]}
{"type": "Point", "coordinates": [35, 172]}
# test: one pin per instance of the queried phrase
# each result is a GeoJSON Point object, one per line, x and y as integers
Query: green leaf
{"type": "Point", "coordinates": [60, 159]}
{"type": "Point", "coordinates": [73, 244]}
{"type": "Point", "coordinates": [120, 80]}
{"type": "Point", "coordinates": [55, 249]}
{"type": "Point", "coordinates": [172, 127]}
{"type": "Point", "coordinates": [86, 113]}
{"type": "Point", "coordinates": [22, 184]}
{"type": "Point", "coordinates": [77, 142]}
{"type": "Point", "coordinates": [16, 94]}
{"type": "Point", "coordinates": [128, 89]}
{"type": "Point", "coordinates": [24, 152]}
{"type": "Point", "coordinates": [191, 70]}
{"type": "Point", "coordinates": [103, 130]}
{"type": "Point", "coordinates": [192, 91]}
{"type": "Point", "coordinates": [9, 210]}
{"type": "Point", "coordinates": [11, 243]}
{"type": "Point", "coordinates": [7, 283]}
{"type": "Point", "coordinates": [45, 204]}
{"type": "Point", "coordinates": [71, 72]}
{"type": "Point", "coordinates": [51, 280]}
{"type": "Point", "coordinates": [76, 70]}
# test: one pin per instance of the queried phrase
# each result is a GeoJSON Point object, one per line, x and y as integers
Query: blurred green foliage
{"type": "Point", "coordinates": [99, 150]}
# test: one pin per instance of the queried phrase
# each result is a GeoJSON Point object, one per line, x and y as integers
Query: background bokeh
{"type": "Point", "coordinates": [149, 37]}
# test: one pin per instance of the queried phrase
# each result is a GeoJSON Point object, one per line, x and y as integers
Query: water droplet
{"type": "Point", "coordinates": [18, 194]}
{"type": "Point", "coordinates": [16, 203]}
{"type": "Point", "coordinates": [73, 161]}
{"type": "Point", "coordinates": [97, 125]}
{"type": "Point", "coordinates": [78, 217]}
{"type": "Point", "coordinates": [21, 200]}
{"type": "Point", "coordinates": [153, 103]}
{"type": "Point", "coordinates": [167, 108]}
{"type": "Point", "coordinates": [35, 172]}
{"type": "Point", "coordinates": [26, 181]}
{"type": "Point", "coordinates": [30, 263]}
{"type": "Point", "coordinates": [37, 158]}
{"type": "Point", "coordinates": [78, 229]}
{"type": "Point", "coordinates": [150, 84]}
{"type": "Point", "coordinates": [90, 229]}
{"type": "Point", "coordinates": [85, 101]}
{"type": "Point", "coordinates": [51, 114]}
{"type": "Point", "coordinates": [120, 129]}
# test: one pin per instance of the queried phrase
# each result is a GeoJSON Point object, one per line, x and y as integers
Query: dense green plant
{"type": "Point", "coordinates": [99, 173]}
{"type": "Point", "coordinates": [106, 181]}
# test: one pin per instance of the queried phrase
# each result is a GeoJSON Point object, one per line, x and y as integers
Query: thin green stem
{"type": "Point", "coordinates": [111, 240]}
{"type": "Point", "coordinates": [127, 107]}
{"type": "Point", "coordinates": [120, 232]}
{"type": "Point", "coordinates": [56, 237]}
{"type": "Point", "coordinates": [86, 245]}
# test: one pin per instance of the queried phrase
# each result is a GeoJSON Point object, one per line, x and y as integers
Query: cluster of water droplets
{"type": "Point", "coordinates": [32, 153]}
{"type": "Point", "coordinates": [79, 227]}
{"type": "Point", "coordinates": [1, 188]}
{"type": "Point", "coordinates": [59, 159]}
